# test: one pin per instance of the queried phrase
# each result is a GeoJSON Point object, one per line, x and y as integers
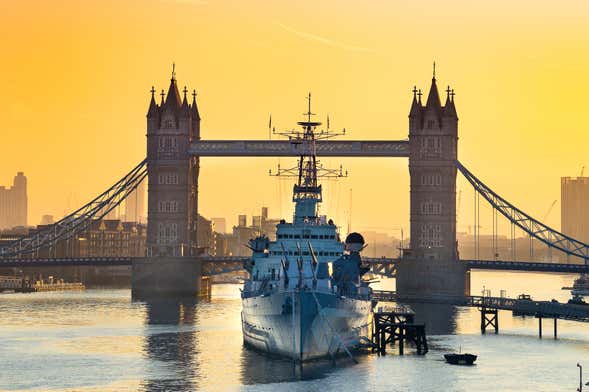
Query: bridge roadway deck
{"type": "Point", "coordinates": [504, 265]}
{"type": "Point", "coordinates": [381, 265]}
{"type": "Point", "coordinates": [99, 261]}
{"type": "Point", "coordinates": [114, 261]}
{"type": "Point", "coordinates": [546, 309]}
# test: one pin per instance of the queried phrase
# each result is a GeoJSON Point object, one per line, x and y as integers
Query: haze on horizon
{"type": "Point", "coordinates": [76, 81]}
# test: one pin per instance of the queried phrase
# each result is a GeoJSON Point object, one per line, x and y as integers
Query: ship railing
{"type": "Point", "coordinates": [354, 292]}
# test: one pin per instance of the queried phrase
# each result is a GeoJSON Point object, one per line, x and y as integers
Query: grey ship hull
{"type": "Point", "coordinates": [268, 323]}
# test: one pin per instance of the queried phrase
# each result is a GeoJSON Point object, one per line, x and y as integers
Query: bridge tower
{"type": "Point", "coordinates": [170, 266]}
{"type": "Point", "coordinates": [173, 173]}
{"type": "Point", "coordinates": [431, 264]}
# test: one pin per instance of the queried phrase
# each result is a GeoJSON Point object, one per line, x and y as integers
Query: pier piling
{"type": "Point", "coordinates": [489, 317]}
{"type": "Point", "coordinates": [390, 327]}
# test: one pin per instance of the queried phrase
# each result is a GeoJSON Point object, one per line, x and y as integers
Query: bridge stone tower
{"type": "Point", "coordinates": [168, 267]}
{"type": "Point", "coordinates": [173, 173]}
{"type": "Point", "coordinates": [431, 264]}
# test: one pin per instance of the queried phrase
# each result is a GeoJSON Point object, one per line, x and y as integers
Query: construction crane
{"type": "Point", "coordinates": [551, 207]}
{"type": "Point", "coordinates": [458, 206]}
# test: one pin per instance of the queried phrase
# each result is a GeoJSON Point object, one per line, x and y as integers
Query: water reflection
{"type": "Point", "coordinates": [439, 319]}
{"type": "Point", "coordinates": [259, 368]}
{"type": "Point", "coordinates": [170, 344]}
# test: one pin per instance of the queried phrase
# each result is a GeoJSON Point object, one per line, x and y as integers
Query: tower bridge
{"type": "Point", "coordinates": [431, 265]}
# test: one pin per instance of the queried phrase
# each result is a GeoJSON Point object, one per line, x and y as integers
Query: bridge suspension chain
{"type": "Point", "coordinates": [533, 227]}
{"type": "Point", "coordinates": [78, 220]}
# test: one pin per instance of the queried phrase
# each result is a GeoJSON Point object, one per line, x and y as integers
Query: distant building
{"type": "Point", "coordinates": [204, 234]}
{"type": "Point", "coordinates": [135, 205]}
{"type": "Point", "coordinates": [47, 220]}
{"type": "Point", "coordinates": [235, 243]}
{"type": "Point", "coordinates": [574, 213]}
{"type": "Point", "coordinates": [380, 244]}
{"type": "Point", "coordinates": [113, 214]}
{"type": "Point", "coordinates": [242, 220]}
{"type": "Point", "coordinates": [223, 245]}
{"type": "Point", "coordinates": [102, 238]}
{"type": "Point", "coordinates": [14, 203]}
{"type": "Point", "coordinates": [219, 225]}
{"type": "Point", "coordinates": [106, 238]}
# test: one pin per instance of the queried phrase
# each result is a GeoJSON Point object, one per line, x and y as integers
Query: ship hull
{"type": "Point", "coordinates": [270, 323]}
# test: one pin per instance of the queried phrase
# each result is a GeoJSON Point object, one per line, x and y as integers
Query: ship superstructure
{"type": "Point", "coordinates": [305, 297]}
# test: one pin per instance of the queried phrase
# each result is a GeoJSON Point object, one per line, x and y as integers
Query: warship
{"type": "Point", "coordinates": [305, 298]}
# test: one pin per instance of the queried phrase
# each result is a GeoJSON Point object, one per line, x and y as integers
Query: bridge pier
{"type": "Point", "coordinates": [492, 321]}
{"type": "Point", "coordinates": [432, 277]}
{"type": "Point", "coordinates": [168, 276]}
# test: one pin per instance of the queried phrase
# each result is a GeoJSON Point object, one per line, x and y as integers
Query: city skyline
{"type": "Point", "coordinates": [276, 195]}
{"type": "Point", "coordinates": [537, 115]}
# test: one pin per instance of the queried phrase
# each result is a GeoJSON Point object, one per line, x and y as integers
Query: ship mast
{"type": "Point", "coordinates": [307, 192]}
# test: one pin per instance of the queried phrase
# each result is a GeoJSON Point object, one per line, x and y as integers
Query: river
{"type": "Point", "coordinates": [102, 340]}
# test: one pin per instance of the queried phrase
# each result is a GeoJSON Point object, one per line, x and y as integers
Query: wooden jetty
{"type": "Point", "coordinates": [489, 307]}
{"type": "Point", "coordinates": [391, 326]}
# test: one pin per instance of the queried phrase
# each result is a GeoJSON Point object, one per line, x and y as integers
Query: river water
{"type": "Point", "coordinates": [102, 340]}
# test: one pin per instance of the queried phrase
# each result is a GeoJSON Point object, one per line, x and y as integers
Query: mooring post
{"type": "Point", "coordinates": [376, 333]}
{"type": "Point", "coordinates": [540, 326]}
{"type": "Point", "coordinates": [555, 331]}
{"type": "Point", "coordinates": [483, 321]}
{"type": "Point", "coordinates": [401, 340]}
{"type": "Point", "coordinates": [496, 321]}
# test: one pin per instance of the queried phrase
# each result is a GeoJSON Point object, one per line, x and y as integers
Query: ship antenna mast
{"type": "Point", "coordinates": [307, 193]}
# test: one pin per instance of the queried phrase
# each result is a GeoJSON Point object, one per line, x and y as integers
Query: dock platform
{"type": "Point", "coordinates": [396, 326]}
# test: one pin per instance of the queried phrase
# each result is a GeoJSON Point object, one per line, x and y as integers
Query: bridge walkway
{"type": "Point", "coordinates": [544, 309]}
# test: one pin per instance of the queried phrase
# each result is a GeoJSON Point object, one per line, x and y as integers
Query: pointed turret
{"type": "Point", "coordinates": [415, 105]}
{"type": "Point", "coordinates": [173, 100]}
{"type": "Point", "coordinates": [185, 109]}
{"type": "Point", "coordinates": [449, 108]}
{"type": "Point", "coordinates": [433, 99]}
{"type": "Point", "coordinates": [153, 108]}
{"type": "Point", "coordinates": [194, 107]}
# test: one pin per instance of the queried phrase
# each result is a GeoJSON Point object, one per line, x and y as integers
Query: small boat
{"type": "Point", "coordinates": [460, 359]}
{"type": "Point", "coordinates": [577, 300]}
{"type": "Point", "coordinates": [581, 285]}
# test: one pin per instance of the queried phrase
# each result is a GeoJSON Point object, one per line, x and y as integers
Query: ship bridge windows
{"type": "Point", "coordinates": [306, 236]}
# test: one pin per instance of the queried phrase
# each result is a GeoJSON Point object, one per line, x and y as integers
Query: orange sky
{"type": "Point", "coordinates": [76, 79]}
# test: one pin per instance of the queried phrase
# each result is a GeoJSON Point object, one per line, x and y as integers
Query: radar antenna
{"type": "Point", "coordinates": [307, 193]}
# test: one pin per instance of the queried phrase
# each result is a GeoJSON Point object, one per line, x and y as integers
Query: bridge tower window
{"type": "Point", "coordinates": [431, 208]}
{"type": "Point", "coordinates": [167, 144]}
{"type": "Point", "coordinates": [168, 178]}
{"type": "Point", "coordinates": [168, 206]}
{"type": "Point", "coordinates": [430, 236]}
{"type": "Point", "coordinates": [167, 233]}
{"type": "Point", "coordinates": [431, 179]}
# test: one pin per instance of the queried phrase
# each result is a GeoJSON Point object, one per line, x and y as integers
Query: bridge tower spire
{"type": "Point", "coordinates": [172, 174]}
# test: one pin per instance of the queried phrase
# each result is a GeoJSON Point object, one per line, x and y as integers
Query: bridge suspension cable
{"type": "Point", "coordinates": [533, 227]}
{"type": "Point", "coordinates": [78, 220]}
